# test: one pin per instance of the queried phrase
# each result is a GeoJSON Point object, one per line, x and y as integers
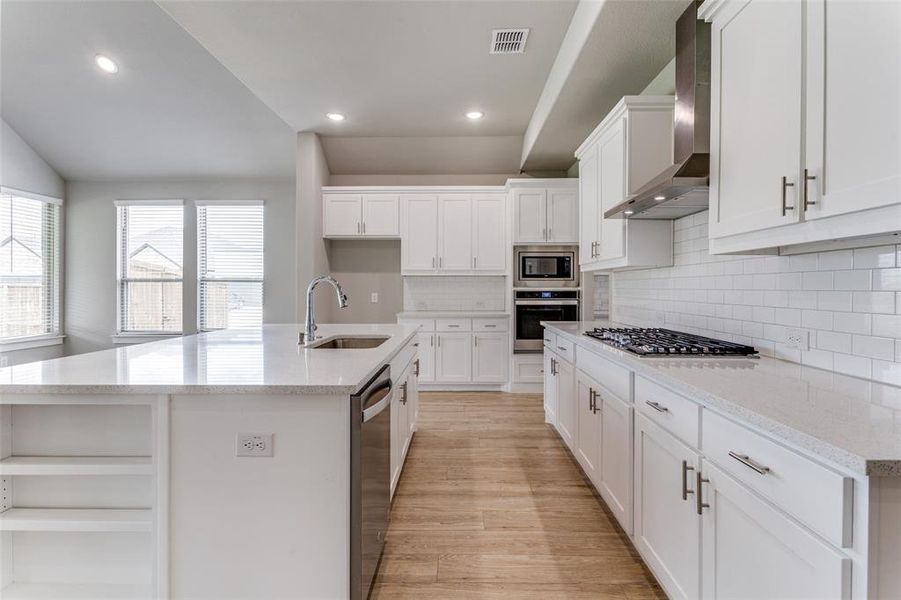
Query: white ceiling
{"type": "Point", "coordinates": [171, 111]}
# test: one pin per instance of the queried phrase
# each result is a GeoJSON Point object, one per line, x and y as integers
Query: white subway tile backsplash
{"type": "Point", "coordinates": [848, 300]}
{"type": "Point", "coordinates": [464, 293]}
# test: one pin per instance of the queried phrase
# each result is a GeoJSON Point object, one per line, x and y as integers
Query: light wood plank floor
{"type": "Point", "coordinates": [491, 505]}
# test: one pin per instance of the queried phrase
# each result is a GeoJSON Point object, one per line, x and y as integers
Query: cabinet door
{"type": "Point", "coordinates": [667, 528]}
{"type": "Point", "coordinates": [755, 115]}
{"type": "Point", "coordinates": [588, 420]}
{"type": "Point", "coordinates": [413, 399]}
{"type": "Point", "coordinates": [854, 153]}
{"type": "Point", "coordinates": [380, 216]}
{"type": "Point", "coordinates": [550, 388]}
{"type": "Point", "coordinates": [616, 457]}
{"type": "Point", "coordinates": [589, 223]}
{"type": "Point", "coordinates": [529, 215]}
{"type": "Point", "coordinates": [426, 356]}
{"type": "Point", "coordinates": [566, 403]}
{"type": "Point", "coordinates": [455, 232]}
{"type": "Point", "coordinates": [419, 243]}
{"type": "Point", "coordinates": [489, 232]}
{"type": "Point", "coordinates": [403, 420]}
{"type": "Point", "coordinates": [396, 441]}
{"type": "Point", "coordinates": [612, 186]}
{"type": "Point", "coordinates": [341, 214]}
{"type": "Point", "coordinates": [752, 550]}
{"type": "Point", "coordinates": [453, 357]}
{"type": "Point", "coordinates": [562, 216]}
{"type": "Point", "coordinates": [490, 357]}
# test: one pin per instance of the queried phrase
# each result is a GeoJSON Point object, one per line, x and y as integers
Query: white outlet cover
{"type": "Point", "coordinates": [253, 444]}
{"type": "Point", "coordinates": [374, 298]}
{"type": "Point", "coordinates": [797, 338]}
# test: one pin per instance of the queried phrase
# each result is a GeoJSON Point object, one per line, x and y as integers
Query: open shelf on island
{"type": "Point", "coordinates": [76, 519]}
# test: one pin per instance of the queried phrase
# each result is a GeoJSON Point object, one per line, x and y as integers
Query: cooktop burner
{"type": "Point", "coordinates": [663, 342]}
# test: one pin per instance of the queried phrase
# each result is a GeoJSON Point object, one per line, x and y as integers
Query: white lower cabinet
{"type": "Point", "coordinates": [453, 357]}
{"type": "Point", "coordinates": [550, 388]}
{"type": "Point", "coordinates": [615, 467]}
{"type": "Point", "coordinates": [588, 440]}
{"type": "Point", "coordinates": [404, 413]}
{"type": "Point", "coordinates": [426, 356]}
{"type": "Point", "coordinates": [490, 360]}
{"type": "Point", "coordinates": [667, 528]}
{"type": "Point", "coordinates": [567, 421]}
{"type": "Point", "coordinates": [752, 550]}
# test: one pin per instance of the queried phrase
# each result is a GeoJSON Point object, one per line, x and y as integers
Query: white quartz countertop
{"type": "Point", "coordinates": [455, 314]}
{"type": "Point", "coordinates": [855, 423]}
{"type": "Point", "coordinates": [267, 360]}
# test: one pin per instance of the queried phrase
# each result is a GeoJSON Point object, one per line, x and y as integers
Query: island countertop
{"type": "Point", "coordinates": [266, 360]}
{"type": "Point", "coordinates": [850, 421]}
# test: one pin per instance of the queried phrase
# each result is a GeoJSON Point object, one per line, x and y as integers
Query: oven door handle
{"type": "Point", "coordinates": [545, 302]}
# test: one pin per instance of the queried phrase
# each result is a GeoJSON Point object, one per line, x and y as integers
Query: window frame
{"type": "Point", "coordinates": [52, 291]}
{"type": "Point", "coordinates": [129, 335]}
{"type": "Point", "coordinates": [199, 204]}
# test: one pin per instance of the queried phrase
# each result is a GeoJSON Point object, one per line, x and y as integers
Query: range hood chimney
{"type": "Point", "coordinates": [682, 189]}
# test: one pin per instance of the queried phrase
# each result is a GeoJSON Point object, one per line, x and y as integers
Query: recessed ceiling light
{"type": "Point", "coordinates": [475, 115]}
{"type": "Point", "coordinates": [628, 212]}
{"type": "Point", "coordinates": [659, 198]}
{"type": "Point", "coordinates": [106, 64]}
{"type": "Point", "coordinates": [335, 116]}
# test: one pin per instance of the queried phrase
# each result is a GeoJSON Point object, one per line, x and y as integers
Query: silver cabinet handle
{"type": "Point", "coordinates": [549, 234]}
{"type": "Point", "coordinates": [416, 368]}
{"type": "Point", "coordinates": [785, 186]}
{"type": "Point", "coordinates": [656, 406]}
{"type": "Point", "coordinates": [473, 262]}
{"type": "Point", "coordinates": [358, 228]}
{"type": "Point", "coordinates": [547, 340]}
{"type": "Point", "coordinates": [561, 348]}
{"type": "Point", "coordinates": [591, 399]}
{"type": "Point", "coordinates": [433, 262]}
{"type": "Point", "coordinates": [553, 367]}
{"type": "Point", "coordinates": [364, 226]}
{"type": "Point", "coordinates": [746, 461]}
{"type": "Point", "coordinates": [440, 260]}
{"type": "Point", "coordinates": [490, 326]}
{"type": "Point", "coordinates": [685, 470]}
{"type": "Point", "coordinates": [807, 179]}
{"type": "Point", "coordinates": [439, 340]}
{"type": "Point", "coordinates": [475, 341]}
{"type": "Point", "coordinates": [453, 325]}
{"type": "Point", "coordinates": [699, 497]}
{"type": "Point", "coordinates": [544, 234]}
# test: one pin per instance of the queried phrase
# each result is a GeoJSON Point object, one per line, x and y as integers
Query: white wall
{"type": "Point", "coordinates": [845, 299]}
{"type": "Point", "coordinates": [363, 267]}
{"type": "Point", "coordinates": [312, 251]}
{"type": "Point", "coordinates": [90, 249]}
{"type": "Point", "coordinates": [23, 169]}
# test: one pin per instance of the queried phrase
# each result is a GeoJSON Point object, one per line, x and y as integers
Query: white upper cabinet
{"type": "Point", "coordinates": [360, 215]}
{"type": "Point", "coordinates": [380, 215]}
{"type": "Point", "coordinates": [630, 146]}
{"type": "Point", "coordinates": [455, 232]}
{"type": "Point", "coordinates": [758, 114]}
{"type": "Point", "coordinates": [545, 211]}
{"type": "Point", "coordinates": [489, 227]}
{"type": "Point", "coordinates": [853, 149]}
{"type": "Point", "coordinates": [419, 241]}
{"type": "Point", "coordinates": [804, 128]}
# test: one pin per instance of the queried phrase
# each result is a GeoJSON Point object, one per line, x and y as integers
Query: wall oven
{"type": "Point", "coordinates": [546, 267]}
{"type": "Point", "coordinates": [531, 307]}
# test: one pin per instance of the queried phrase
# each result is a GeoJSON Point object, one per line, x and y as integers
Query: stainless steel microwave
{"type": "Point", "coordinates": [546, 266]}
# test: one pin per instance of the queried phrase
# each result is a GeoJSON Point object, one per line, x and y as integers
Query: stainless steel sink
{"type": "Point", "coordinates": [349, 343]}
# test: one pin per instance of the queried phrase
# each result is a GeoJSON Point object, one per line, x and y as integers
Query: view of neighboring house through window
{"type": "Point", "coordinates": [29, 265]}
{"type": "Point", "coordinates": [230, 264]}
{"type": "Point", "coordinates": [150, 266]}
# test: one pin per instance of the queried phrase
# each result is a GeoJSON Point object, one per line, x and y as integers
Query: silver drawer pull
{"type": "Point", "coordinates": [685, 470]}
{"type": "Point", "coordinates": [656, 406]}
{"type": "Point", "coordinates": [547, 340]}
{"type": "Point", "coordinates": [746, 461]}
{"type": "Point", "coordinates": [453, 325]}
{"type": "Point", "coordinates": [490, 325]}
{"type": "Point", "coordinates": [561, 348]}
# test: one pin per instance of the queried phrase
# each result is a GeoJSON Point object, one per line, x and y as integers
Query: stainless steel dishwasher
{"type": "Point", "coordinates": [370, 480]}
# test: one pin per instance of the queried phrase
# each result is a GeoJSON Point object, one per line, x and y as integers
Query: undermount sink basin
{"type": "Point", "coordinates": [349, 343]}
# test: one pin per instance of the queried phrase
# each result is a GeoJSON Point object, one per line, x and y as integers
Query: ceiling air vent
{"type": "Point", "coordinates": [508, 41]}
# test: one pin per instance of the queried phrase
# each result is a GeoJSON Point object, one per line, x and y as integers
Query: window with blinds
{"type": "Point", "coordinates": [151, 256]}
{"type": "Point", "coordinates": [29, 265]}
{"type": "Point", "coordinates": [230, 265]}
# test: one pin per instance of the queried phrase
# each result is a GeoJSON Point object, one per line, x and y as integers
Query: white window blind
{"type": "Point", "coordinates": [230, 265]}
{"type": "Point", "coordinates": [29, 265]}
{"type": "Point", "coordinates": [151, 240]}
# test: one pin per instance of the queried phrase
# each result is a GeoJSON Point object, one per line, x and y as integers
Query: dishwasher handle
{"type": "Point", "coordinates": [375, 397]}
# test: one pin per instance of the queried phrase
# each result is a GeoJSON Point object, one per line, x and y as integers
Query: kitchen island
{"type": "Point", "coordinates": [735, 476]}
{"type": "Point", "coordinates": [128, 472]}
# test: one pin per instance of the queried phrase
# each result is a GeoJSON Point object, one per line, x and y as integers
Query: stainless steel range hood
{"type": "Point", "coordinates": [682, 189]}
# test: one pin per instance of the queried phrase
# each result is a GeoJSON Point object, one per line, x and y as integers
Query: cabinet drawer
{"type": "Point", "coordinates": [679, 415]}
{"type": "Point", "coordinates": [489, 325]}
{"type": "Point", "coordinates": [453, 324]}
{"type": "Point", "coordinates": [615, 378]}
{"type": "Point", "coordinates": [424, 324]}
{"type": "Point", "coordinates": [565, 348]}
{"type": "Point", "coordinates": [813, 494]}
{"type": "Point", "coordinates": [550, 340]}
{"type": "Point", "coordinates": [528, 368]}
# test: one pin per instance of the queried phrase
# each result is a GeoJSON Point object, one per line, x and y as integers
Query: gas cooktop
{"type": "Point", "coordinates": [666, 342]}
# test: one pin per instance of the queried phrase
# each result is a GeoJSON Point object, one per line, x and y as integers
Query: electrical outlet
{"type": "Point", "coordinates": [797, 338]}
{"type": "Point", "coordinates": [253, 444]}
{"type": "Point", "coordinates": [374, 298]}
